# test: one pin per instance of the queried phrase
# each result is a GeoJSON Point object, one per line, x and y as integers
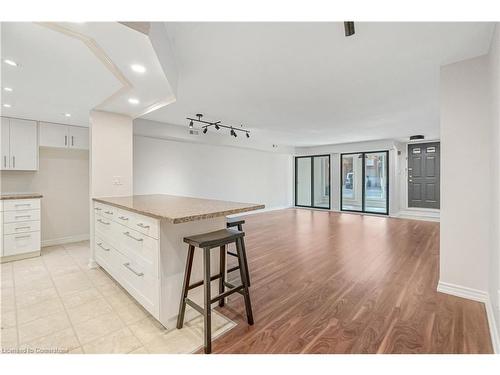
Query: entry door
{"type": "Point", "coordinates": [423, 175]}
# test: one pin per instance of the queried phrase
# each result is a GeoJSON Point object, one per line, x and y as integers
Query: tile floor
{"type": "Point", "coordinates": [56, 304]}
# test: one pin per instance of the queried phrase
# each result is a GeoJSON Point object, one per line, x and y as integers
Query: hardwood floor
{"type": "Point", "coordinates": [326, 282]}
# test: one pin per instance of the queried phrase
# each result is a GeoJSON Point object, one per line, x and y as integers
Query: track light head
{"type": "Point", "coordinates": [191, 124]}
{"type": "Point", "coordinates": [217, 126]}
{"type": "Point", "coordinates": [248, 135]}
{"type": "Point", "coordinates": [205, 130]}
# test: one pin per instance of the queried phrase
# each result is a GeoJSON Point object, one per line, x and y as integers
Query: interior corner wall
{"type": "Point", "coordinates": [494, 271]}
{"type": "Point", "coordinates": [465, 174]}
{"type": "Point", "coordinates": [212, 171]}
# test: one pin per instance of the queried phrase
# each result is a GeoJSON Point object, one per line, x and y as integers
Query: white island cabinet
{"type": "Point", "coordinates": [19, 226]}
{"type": "Point", "coordinates": [138, 240]}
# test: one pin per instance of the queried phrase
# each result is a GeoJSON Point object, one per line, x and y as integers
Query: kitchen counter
{"type": "Point", "coordinates": [5, 196]}
{"type": "Point", "coordinates": [177, 209]}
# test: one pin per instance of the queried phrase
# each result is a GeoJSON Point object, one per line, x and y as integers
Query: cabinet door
{"type": "Point", "coordinates": [4, 144]}
{"type": "Point", "coordinates": [53, 135]}
{"type": "Point", "coordinates": [23, 145]}
{"type": "Point", "coordinates": [78, 137]}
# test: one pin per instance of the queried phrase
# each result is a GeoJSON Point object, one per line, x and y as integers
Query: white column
{"type": "Point", "coordinates": [111, 160]}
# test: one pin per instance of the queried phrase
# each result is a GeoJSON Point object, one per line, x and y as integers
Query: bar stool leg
{"type": "Point", "coordinates": [244, 253]}
{"type": "Point", "coordinates": [207, 311]}
{"type": "Point", "coordinates": [185, 287]}
{"type": "Point", "coordinates": [222, 270]}
{"type": "Point", "coordinates": [243, 275]}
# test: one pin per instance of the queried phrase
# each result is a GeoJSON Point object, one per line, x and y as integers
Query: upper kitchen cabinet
{"type": "Point", "coordinates": [64, 136]}
{"type": "Point", "coordinates": [19, 145]}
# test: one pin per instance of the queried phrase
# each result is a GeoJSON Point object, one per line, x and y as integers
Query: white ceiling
{"type": "Point", "coordinates": [307, 84]}
{"type": "Point", "coordinates": [76, 67]}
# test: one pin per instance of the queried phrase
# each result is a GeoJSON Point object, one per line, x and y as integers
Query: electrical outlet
{"type": "Point", "coordinates": [117, 180]}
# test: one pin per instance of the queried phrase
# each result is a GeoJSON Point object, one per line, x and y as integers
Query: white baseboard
{"type": "Point", "coordinates": [65, 240]}
{"type": "Point", "coordinates": [475, 295]}
{"type": "Point", "coordinates": [418, 215]}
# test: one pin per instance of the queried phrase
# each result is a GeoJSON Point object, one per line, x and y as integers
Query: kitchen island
{"type": "Point", "coordinates": [138, 240]}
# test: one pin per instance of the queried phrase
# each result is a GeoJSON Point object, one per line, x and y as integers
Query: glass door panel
{"type": "Point", "coordinates": [352, 182]}
{"type": "Point", "coordinates": [376, 182]}
{"type": "Point", "coordinates": [303, 193]}
{"type": "Point", "coordinates": [312, 181]}
{"type": "Point", "coordinates": [321, 181]}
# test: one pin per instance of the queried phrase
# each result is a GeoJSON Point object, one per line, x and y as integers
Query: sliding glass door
{"type": "Point", "coordinates": [312, 181]}
{"type": "Point", "coordinates": [365, 183]}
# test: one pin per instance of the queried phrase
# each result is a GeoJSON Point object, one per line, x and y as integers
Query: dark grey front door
{"type": "Point", "coordinates": [423, 175]}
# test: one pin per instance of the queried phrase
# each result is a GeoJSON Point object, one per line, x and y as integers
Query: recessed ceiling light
{"type": "Point", "coordinates": [7, 105]}
{"type": "Point", "coordinates": [9, 89]}
{"type": "Point", "coordinates": [133, 101]}
{"type": "Point", "coordinates": [138, 68]}
{"type": "Point", "coordinates": [10, 62]}
{"type": "Point", "coordinates": [67, 114]}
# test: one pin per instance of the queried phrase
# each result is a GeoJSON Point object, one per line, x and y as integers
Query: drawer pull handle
{"type": "Point", "coordinates": [102, 222]}
{"type": "Point", "coordinates": [19, 228]}
{"type": "Point", "coordinates": [108, 212]}
{"type": "Point", "coordinates": [135, 238]}
{"type": "Point", "coordinates": [22, 204]}
{"type": "Point", "coordinates": [127, 265]}
{"type": "Point", "coordinates": [123, 218]}
{"type": "Point", "coordinates": [143, 226]}
{"type": "Point", "coordinates": [97, 209]}
{"type": "Point", "coordinates": [26, 236]}
{"type": "Point", "coordinates": [20, 216]}
{"type": "Point", "coordinates": [102, 247]}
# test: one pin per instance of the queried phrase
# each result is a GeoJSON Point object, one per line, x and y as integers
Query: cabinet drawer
{"type": "Point", "coordinates": [21, 204]}
{"type": "Point", "coordinates": [139, 248]}
{"type": "Point", "coordinates": [19, 216]}
{"type": "Point", "coordinates": [139, 282]}
{"type": "Point", "coordinates": [23, 227]}
{"type": "Point", "coordinates": [146, 225]}
{"type": "Point", "coordinates": [104, 228]}
{"type": "Point", "coordinates": [104, 210]}
{"type": "Point", "coordinates": [21, 243]}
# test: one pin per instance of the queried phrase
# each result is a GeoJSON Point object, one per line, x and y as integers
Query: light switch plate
{"type": "Point", "coordinates": [117, 180]}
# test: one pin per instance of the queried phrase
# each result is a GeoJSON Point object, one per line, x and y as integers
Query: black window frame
{"type": "Point", "coordinates": [312, 181]}
{"type": "Point", "coordinates": [363, 210]}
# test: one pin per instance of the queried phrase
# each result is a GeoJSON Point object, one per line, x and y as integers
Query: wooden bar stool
{"type": "Point", "coordinates": [237, 222]}
{"type": "Point", "coordinates": [208, 241]}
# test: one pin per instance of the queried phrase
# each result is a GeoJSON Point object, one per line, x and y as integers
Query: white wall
{"type": "Point", "coordinates": [111, 154]}
{"type": "Point", "coordinates": [466, 180]}
{"type": "Point", "coordinates": [494, 271]}
{"type": "Point", "coordinates": [111, 159]}
{"type": "Point", "coordinates": [63, 179]}
{"type": "Point", "coordinates": [212, 171]}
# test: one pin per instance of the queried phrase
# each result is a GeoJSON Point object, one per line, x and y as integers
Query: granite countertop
{"type": "Point", "coordinates": [5, 196]}
{"type": "Point", "coordinates": [177, 209]}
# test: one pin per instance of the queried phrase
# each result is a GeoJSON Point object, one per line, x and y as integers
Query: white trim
{"type": "Point", "coordinates": [479, 296]}
{"type": "Point", "coordinates": [495, 339]}
{"type": "Point", "coordinates": [462, 291]}
{"type": "Point", "coordinates": [65, 240]}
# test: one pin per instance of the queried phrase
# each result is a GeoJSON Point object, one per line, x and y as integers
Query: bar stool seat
{"type": "Point", "coordinates": [214, 239]}
{"type": "Point", "coordinates": [234, 222]}
{"type": "Point", "coordinates": [207, 242]}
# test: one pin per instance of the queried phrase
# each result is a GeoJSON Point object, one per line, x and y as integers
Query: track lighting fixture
{"type": "Point", "coordinates": [217, 125]}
